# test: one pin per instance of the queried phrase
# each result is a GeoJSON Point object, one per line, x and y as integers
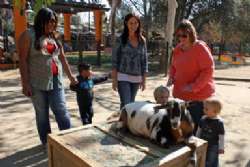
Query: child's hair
{"type": "Point", "coordinates": [160, 90]}
{"type": "Point", "coordinates": [83, 66]}
{"type": "Point", "coordinates": [215, 103]}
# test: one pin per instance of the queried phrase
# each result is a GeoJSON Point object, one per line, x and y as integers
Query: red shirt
{"type": "Point", "coordinates": [193, 68]}
{"type": "Point", "coordinates": [54, 67]}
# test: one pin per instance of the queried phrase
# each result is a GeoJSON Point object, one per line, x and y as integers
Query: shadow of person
{"type": "Point", "coordinates": [35, 157]}
{"type": "Point", "coordinates": [248, 164]}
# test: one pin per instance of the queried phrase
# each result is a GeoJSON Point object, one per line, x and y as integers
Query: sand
{"type": "Point", "coordinates": [19, 141]}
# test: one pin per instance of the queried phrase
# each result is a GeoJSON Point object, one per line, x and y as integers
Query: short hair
{"type": "Point", "coordinates": [188, 27]}
{"type": "Point", "coordinates": [215, 103]}
{"type": "Point", "coordinates": [159, 90]}
{"type": "Point", "coordinates": [83, 66]}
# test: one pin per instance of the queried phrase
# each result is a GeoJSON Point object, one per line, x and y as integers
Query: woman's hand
{"type": "Point", "coordinates": [170, 82]}
{"type": "Point", "coordinates": [27, 90]}
{"type": "Point", "coordinates": [221, 151]}
{"type": "Point", "coordinates": [114, 84]}
{"type": "Point", "coordinates": [187, 88]}
{"type": "Point", "coordinates": [142, 85]}
{"type": "Point", "coordinates": [73, 81]}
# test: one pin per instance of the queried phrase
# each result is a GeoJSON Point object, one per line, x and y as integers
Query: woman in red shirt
{"type": "Point", "coordinates": [191, 70]}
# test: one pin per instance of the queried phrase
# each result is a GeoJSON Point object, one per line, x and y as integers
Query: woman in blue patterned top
{"type": "Point", "coordinates": [129, 61]}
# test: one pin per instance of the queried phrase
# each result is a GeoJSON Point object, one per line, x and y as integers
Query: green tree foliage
{"type": "Point", "coordinates": [200, 11]}
{"type": "Point", "coordinates": [243, 20]}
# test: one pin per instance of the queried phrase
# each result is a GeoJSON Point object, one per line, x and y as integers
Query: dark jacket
{"type": "Point", "coordinates": [84, 89]}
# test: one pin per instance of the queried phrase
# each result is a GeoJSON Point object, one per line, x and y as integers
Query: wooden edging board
{"type": "Point", "coordinates": [82, 160]}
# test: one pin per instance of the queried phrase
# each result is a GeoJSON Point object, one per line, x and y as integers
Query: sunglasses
{"type": "Point", "coordinates": [182, 35]}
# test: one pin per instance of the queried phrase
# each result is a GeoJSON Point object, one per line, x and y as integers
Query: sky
{"type": "Point", "coordinates": [85, 15]}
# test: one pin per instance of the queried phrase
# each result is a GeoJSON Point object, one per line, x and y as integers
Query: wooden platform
{"type": "Point", "coordinates": [99, 146]}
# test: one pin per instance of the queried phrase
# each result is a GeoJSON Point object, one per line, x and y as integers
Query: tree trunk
{"type": "Point", "coordinates": [114, 6]}
{"type": "Point", "coordinates": [172, 5]}
{"type": "Point", "coordinates": [146, 18]}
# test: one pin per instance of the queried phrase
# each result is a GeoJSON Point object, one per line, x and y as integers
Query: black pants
{"type": "Point", "coordinates": [196, 110]}
{"type": "Point", "coordinates": [86, 113]}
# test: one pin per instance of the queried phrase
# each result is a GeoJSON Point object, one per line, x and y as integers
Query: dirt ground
{"type": "Point", "coordinates": [20, 145]}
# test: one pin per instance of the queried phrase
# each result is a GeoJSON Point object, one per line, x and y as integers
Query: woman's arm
{"type": "Point", "coordinates": [144, 66]}
{"type": "Point", "coordinates": [66, 67]}
{"type": "Point", "coordinates": [171, 71]}
{"type": "Point", "coordinates": [24, 44]}
{"type": "Point", "coordinates": [143, 83]}
{"type": "Point", "coordinates": [206, 67]}
{"type": "Point", "coordinates": [115, 63]}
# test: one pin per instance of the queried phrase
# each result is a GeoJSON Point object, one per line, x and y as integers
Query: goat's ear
{"type": "Point", "coordinates": [183, 106]}
{"type": "Point", "coordinates": [186, 104]}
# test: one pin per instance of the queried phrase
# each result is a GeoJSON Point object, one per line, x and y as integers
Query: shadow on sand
{"type": "Point", "coordinates": [32, 157]}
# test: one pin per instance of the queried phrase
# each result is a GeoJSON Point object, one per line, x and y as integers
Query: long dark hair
{"type": "Point", "coordinates": [125, 34]}
{"type": "Point", "coordinates": [42, 18]}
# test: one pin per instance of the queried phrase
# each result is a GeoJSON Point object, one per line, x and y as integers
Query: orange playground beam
{"type": "Point", "coordinates": [19, 20]}
{"type": "Point", "coordinates": [67, 31]}
{"type": "Point", "coordinates": [98, 33]}
{"type": "Point", "coordinates": [98, 25]}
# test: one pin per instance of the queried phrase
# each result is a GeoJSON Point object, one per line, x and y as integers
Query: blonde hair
{"type": "Point", "coordinates": [215, 103]}
{"type": "Point", "coordinates": [160, 90]}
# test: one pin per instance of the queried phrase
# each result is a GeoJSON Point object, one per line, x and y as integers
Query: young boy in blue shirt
{"type": "Point", "coordinates": [84, 91]}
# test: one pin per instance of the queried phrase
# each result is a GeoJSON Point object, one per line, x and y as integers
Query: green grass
{"type": "Point", "coordinates": [91, 59]}
{"type": "Point", "coordinates": [73, 59]}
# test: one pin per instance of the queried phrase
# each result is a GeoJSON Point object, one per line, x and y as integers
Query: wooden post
{"type": "Point", "coordinates": [19, 20]}
{"type": "Point", "coordinates": [98, 34]}
{"type": "Point", "coordinates": [67, 32]}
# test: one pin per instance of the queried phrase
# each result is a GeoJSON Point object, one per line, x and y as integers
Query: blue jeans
{"type": "Point", "coordinates": [127, 92]}
{"type": "Point", "coordinates": [55, 99]}
{"type": "Point", "coordinates": [196, 111]}
{"type": "Point", "coordinates": [212, 158]}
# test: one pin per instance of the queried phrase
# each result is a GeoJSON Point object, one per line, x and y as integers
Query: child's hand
{"type": "Point", "coordinates": [73, 80]}
{"type": "Point", "coordinates": [221, 151]}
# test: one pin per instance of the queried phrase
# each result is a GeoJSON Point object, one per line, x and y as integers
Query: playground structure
{"type": "Point", "coordinates": [236, 59]}
{"type": "Point", "coordinates": [227, 56]}
{"type": "Point", "coordinates": [59, 6]}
